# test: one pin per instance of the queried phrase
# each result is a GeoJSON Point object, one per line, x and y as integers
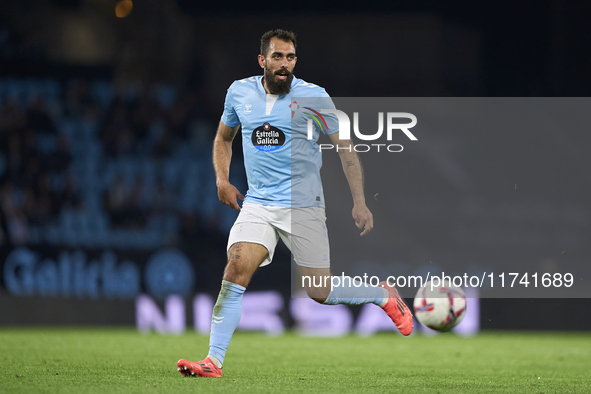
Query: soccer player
{"type": "Point", "coordinates": [284, 198]}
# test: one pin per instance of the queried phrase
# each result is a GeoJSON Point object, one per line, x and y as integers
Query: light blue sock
{"type": "Point", "coordinates": [355, 292]}
{"type": "Point", "coordinates": [225, 319]}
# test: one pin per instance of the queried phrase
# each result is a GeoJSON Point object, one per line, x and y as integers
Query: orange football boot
{"type": "Point", "coordinates": [397, 310]}
{"type": "Point", "coordinates": [205, 368]}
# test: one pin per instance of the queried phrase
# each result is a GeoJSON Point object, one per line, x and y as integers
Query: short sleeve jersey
{"type": "Point", "coordinates": [279, 140]}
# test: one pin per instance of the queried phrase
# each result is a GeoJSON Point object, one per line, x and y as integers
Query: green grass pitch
{"type": "Point", "coordinates": [110, 360]}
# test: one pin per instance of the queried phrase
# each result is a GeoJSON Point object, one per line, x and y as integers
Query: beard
{"type": "Point", "coordinates": [278, 87]}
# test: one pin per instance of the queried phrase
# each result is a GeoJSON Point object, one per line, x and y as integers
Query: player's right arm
{"type": "Point", "coordinates": [222, 156]}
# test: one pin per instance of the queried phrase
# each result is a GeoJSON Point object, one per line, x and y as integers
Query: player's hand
{"type": "Point", "coordinates": [228, 195]}
{"type": "Point", "coordinates": [363, 218]}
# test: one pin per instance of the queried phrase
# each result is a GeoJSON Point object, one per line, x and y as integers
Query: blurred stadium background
{"type": "Point", "coordinates": [108, 198]}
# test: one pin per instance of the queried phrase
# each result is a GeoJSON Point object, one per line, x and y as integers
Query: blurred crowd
{"type": "Point", "coordinates": [92, 163]}
{"type": "Point", "coordinates": [86, 161]}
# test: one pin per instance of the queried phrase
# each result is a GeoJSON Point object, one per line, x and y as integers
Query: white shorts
{"type": "Point", "coordinates": [303, 230]}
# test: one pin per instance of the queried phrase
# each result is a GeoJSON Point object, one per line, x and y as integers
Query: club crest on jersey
{"type": "Point", "coordinates": [294, 106]}
{"type": "Point", "coordinates": [267, 138]}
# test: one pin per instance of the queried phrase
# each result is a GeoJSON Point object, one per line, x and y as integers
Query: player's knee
{"type": "Point", "coordinates": [319, 300]}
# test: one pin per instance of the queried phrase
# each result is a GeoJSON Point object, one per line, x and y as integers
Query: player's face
{"type": "Point", "coordinates": [278, 63]}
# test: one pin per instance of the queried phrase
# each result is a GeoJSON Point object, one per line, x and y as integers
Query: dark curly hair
{"type": "Point", "coordinates": [284, 35]}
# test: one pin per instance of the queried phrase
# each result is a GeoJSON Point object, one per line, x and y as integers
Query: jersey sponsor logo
{"type": "Point", "coordinates": [267, 138]}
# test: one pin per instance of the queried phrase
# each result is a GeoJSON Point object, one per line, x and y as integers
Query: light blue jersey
{"type": "Point", "coordinates": [282, 164]}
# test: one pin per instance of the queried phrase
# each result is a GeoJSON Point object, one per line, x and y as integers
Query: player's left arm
{"type": "Point", "coordinates": [354, 173]}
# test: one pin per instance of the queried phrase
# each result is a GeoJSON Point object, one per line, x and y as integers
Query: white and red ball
{"type": "Point", "coordinates": [440, 308]}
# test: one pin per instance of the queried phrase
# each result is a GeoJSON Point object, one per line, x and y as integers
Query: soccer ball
{"type": "Point", "coordinates": [440, 308]}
